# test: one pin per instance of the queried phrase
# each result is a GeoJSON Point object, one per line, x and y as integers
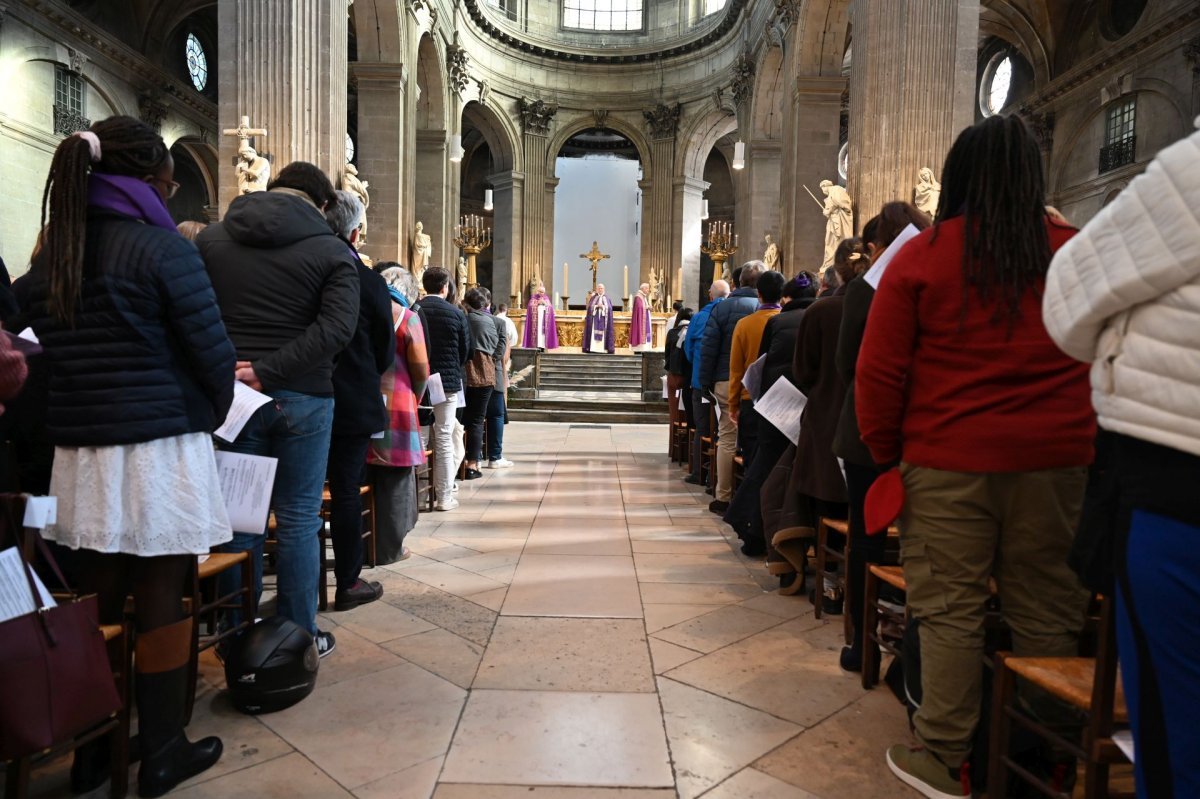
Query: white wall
{"type": "Point", "coordinates": [597, 199]}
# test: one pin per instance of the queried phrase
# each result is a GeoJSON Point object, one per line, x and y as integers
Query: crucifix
{"type": "Point", "coordinates": [253, 171]}
{"type": "Point", "coordinates": [595, 256]}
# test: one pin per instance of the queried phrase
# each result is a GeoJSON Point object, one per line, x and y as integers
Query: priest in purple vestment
{"type": "Point", "coordinates": [540, 330]}
{"type": "Point", "coordinates": [598, 325]}
{"type": "Point", "coordinates": [640, 334]}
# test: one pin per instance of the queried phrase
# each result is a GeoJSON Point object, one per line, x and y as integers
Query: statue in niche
{"type": "Point", "coordinates": [253, 171]}
{"type": "Point", "coordinates": [352, 184]}
{"type": "Point", "coordinates": [839, 219]}
{"type": "Point", "coordinates": [927, 193]}
{"type": "Point", "coordinates": [771, 256]}
{"type": "Point", "coordinates": [422, 250]}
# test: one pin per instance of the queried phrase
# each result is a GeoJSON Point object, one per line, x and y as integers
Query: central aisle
{"type": "Point", "coordinates": [580, 620]}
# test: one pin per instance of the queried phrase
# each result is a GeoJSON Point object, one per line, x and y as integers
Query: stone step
{"type": "Point", "coordinates": [594, 382]}
{"type": "Point", "coordinates": [586, 413]}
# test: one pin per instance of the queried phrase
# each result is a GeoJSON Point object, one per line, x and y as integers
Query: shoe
{"type": "Point", "coordinates": [753, 549]}
{"type": "Point", "coordinates": [851, 659]}
{"type": "Point", "coordinates": [921, 771]}
{"type": "Point", "coordinates": [405, 554]}
{"type": "Point", "coordinates": [91, 766]}
{"type": "Point", "coordinates": [501, 463]}
{"type": "Point", "coordinates": [832, 598]}
{"type": "Point", "coordinates": [360, 593]}
{"type": "Point", "coordinates": [179, 760]}
{"type": "Point", "coordinates": [473, 474]}
{"type": "Point", "coordinates": [454, 487]}
{"type": "Point", "coordinates": [450, 503]}
{"type": "Point", "coordinates": [717, 506]}
{"type": "Point", "coordinates": [692, 479]}
{"type": "Point", "coordinates": [325, 643]}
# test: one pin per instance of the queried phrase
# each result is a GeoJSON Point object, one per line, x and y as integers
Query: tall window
{"type": "Point", "coordinates": [68, 102]}
{"type": "Point", "coordinates": [713, 6]}
{"type": "Point", "coordinates": [197, 62]}
{"type": "Point", "coordinates": [1119, 138]}
{"type": "Point", "coordinates": [603, 15]}
{"type": "Point", "coordinates": [997, 85]}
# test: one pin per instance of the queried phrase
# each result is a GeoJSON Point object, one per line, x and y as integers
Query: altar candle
{"type": "Point", "coordinates": [626, 294]}
{"type": "Point", "coordinates": [518, 298]}
{"type": "Point", "coordinates": [566, 278]}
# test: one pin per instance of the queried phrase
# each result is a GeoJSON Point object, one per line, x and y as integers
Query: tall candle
{"type": "Point", "coordinates": [566, 280]}
{"type": "Point", "coordinates": [626, 293]}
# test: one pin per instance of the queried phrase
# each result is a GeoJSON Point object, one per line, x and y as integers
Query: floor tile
{"type": "Point", "coordinates": [460, 616]}
{"type": "Point", "coordinates": [503, 512]}
{"type": "Point", "coordinates": [667, 656]}
{"type": "Point", "coordinates": [494, 599]}
{"type": "Point", "coordinates": [449, 791]}
{"type": "Point", "coordinates": [696, 593]}
{"type": "Point", "coordinates": [537, 737]}
{"type": "Point", "coordinates": [354, 657]}
{"type": "Point", "coordinates": [711, 737]}
{"type": "Point", "coordinates": [414, 782]}
{"type": "Point", "coordinates": [711, 631]}
{"type": "Point", "coordinates": [753, 784]}
{"type": "Point", "coordinates": [713, 568]}
{"type": "Point", "coordinates": [659, 617]}
{"type": "Point", "coordinates": [574, 585]}
{"type": "Point", "coordinates": [378, 622]}
{"type": "Point", "coordinates": [453, 580]}
{"type": "Point", "coordinates": [598, 537]}
{"type": "Point", "coordinates": [289, 777]}
{"type": "Point", "coordinates": [567, 655]}
{"type": "Point", "coordinates": [785, 607]}
{"type": "Point", "coordinates": [447, 655]}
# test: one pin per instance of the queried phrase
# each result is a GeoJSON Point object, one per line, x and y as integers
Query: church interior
{"type": "Point", "coordinates": [583, 615]}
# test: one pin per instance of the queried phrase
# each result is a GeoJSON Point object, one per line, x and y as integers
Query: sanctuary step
{"type": "Point", "coordinates": [604, 389]}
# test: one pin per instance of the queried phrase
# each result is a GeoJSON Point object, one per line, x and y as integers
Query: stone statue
{"type": "Point", "coordinates": [352, 184]}
{"type": "Point", "coordinates": [656, 295]}
{"type": "Point", "coordinates": [839, 217]}
{"type": "Point", "coordinates": [253, 171]}
{"type": "Point", "coordinates": [927, 193]}
{"type": "Point", "coordinates": [771, 256]}
{"type": "Point", "coordinates": [422, 250]}
{"type": "Point", "coordinates": [461, 271]}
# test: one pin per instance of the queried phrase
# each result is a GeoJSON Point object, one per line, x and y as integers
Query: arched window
{"type": "Point", "coordinates": [603, 15]}
{"type": "Point", "coordinates": [197, 62]}
{"type": "Point", "coordinates": [349, 149]}
{"type": "Point", "coordinates": [997, 85]}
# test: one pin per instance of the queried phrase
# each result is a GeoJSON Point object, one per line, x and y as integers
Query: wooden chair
{"type": "Point", "coordinates": [824, 553]}
{"type": "Point", "coordinates": [739, 471]}
{"type": "Point", "coordinates": [426, 493]}
{"type": "Point", "coordinates": [679, 442]}
{"type": "Point", "coordinates": [873, 612]}
{"type": "Point", "coordinates": [206, 603]}
{"type": "Point", "coordinates": [1087, 684]}
{"type": "Point", "coordinates": [120, 649]}
{"type": "Point", "coordinates": [367, 497]}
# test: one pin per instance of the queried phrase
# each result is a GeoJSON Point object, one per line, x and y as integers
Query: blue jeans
{"type": "Point", "coordinates": [497, 415]}
{"type": "Point", "coordinates": [295, 428]}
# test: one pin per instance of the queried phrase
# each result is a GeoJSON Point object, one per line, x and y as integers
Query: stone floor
{"type": "Point", "coordinates": [580, 627]}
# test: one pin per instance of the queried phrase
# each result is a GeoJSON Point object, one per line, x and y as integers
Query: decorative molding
{"type": "Point", "coordinates": [743, 79]}
{"type": "Point", "coordinates": [1191, 51]}
{"type": "Point", "coordinates": [600, 116]}
{"type": "Point", "coordinates": [780, 22]}
{"type": "Point", "coordinates": [722, 102]}
{"type": "Point", "coordinates": [1041, 124]}
{"type": "Point", "coordinates": [485, 90]}
{"type": "Point", "coordinates": [458, 65]}
{"type": "Point", "coordinates": [663, 120]}
{"type": "Point", "coordinates": [151, 109]}
{"type": "Point", "coordinates": [536, 115]}
{"type": "Point", "coordinates": [76, 60]}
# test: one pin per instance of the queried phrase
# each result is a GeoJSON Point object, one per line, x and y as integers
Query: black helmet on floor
{"type": "Point", "coordinates": [271, 666]}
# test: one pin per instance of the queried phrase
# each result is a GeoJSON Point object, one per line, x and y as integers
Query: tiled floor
{"type": "Point", "coordinates": [581, 627]}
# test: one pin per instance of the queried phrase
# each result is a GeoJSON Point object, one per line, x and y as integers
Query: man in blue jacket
{"type": "Point", "coordinates": [691, 347]}
{"type": "Point", "coordinates": [714, 372]}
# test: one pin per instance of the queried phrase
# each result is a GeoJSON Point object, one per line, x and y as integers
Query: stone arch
{"type": "Point", "coordinates": [205, 157]}
{"type": "Point", "coordinates": [702, 134]}
{"type": "Point", "coordinates": [499, 131]}
{"type": "Point", "coordinates": [766, 107]}
{"type": "Point", "coordinates": [821, 38]}
{"type": "Point", "coordinates": [431, 77]}
{"type": "Point", "coordinates": [380, 31]}
{"type": "Point", "coordinates": [584, 122]}
{"type": "Point", "coordinates": [1001, 18]}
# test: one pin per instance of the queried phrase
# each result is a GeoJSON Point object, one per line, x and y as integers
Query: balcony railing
{"type": "Point", "coordinates": [1117, 154]}
{"type": "Point", "coordinates": [68, 121]}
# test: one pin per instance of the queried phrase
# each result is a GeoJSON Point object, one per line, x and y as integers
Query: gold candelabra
{"type": "Point", "coordinates": [720, 243]}
{"type": "Point", "coordinates": [472, 238]}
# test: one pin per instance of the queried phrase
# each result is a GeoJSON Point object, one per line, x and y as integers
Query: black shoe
{"type": "Point", "coordinates": [851, 659]}
{"type": "Point", "coordinates": [178, 761]}
{"type": "Point", "coordinates": [752, 548]}
{"type": "Point", "coordinates": [360, 593]}
{"type": "Point", "coordinates": [692, 479]}
{"type": "Point", "coordinates": [832, 602]}
{"type": "Point", "coordinates": [473, 474]}
{"type": "Point", "coordinates": [91, 767]}
{"type": "Point", "coordinates": [717, 506]}
{"type": "Point", "coordinates": [325, 643]}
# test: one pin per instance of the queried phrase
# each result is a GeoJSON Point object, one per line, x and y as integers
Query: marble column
{"type": "Point", "coordinates": [812, 140]}
{"type": "Point", "coordinates": [537, 227]}
{"type": "Point", "coordinates": [381, 131]}
{"type": "Point", "coordinates": [685, 239]}
{"type": "Point", "coordinates": [283, 64]}
{"type": "Point", "coordinates": [507, 195]}
{"type": "Point", "coordinates": [912, 90]}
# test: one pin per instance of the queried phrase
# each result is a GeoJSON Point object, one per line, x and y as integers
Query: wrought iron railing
{"type": "Point", "coordinates": [68, 121]}
{"type": "Point", "coordinates": [1117, 154]}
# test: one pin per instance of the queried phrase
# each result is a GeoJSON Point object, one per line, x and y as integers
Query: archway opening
{"type": "Point", "coordinates": [192, 200]}
{"type": "Point", "coordinates": [720, 199]}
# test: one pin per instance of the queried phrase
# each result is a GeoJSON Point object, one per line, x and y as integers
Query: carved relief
{"type": "Point", "coordinates": [1040, 124]}
{"type": "Point", "coordinates": [151, 109]}
{"type": "Point", "coordinates": [1191, 51]}
{"type": "Point", "coordinates": [458, 65]}
{"type": "Point", "coordinates": [536, 115]}
{"type": "Point", "coordinates": [722, 102]}
{"type": "Point", "coordinates": [743, 79]}
{"type": "Point", "coordinates": [76, 60]}
{"type": "Point", "coordinates": [485, 91]}
{"type": "Point", "coordinates": [600, 116]}
{"type": "Point", "coordinates": [662, 120]}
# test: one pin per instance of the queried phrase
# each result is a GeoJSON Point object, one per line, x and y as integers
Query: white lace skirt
{"type": "Point", "coordinates": [160, 497]}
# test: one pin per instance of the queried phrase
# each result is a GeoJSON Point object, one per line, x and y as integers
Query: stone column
{"type": "Point", "coordinates": [685, 239]}
{"type": "Point", "coordinates": [284, 64]}
{"type": "Point", "coordinates": [381, 123]}
{"type": "Point", "coordinates": [432, 195]}
{"type": "Point", "coordinates": [764, 166]}
{"type": "Point", "coordinates": [912, 90]}
{"type": "Point", "coordinates": [508, 189]}
{"type": "Point", "coordinates": [657, 222]}
{"type": "Point", "coordinates": [537, 223]}
{"type": "Point", "coordinates": [813, 140]}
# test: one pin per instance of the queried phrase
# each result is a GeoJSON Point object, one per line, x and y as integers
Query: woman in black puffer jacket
{"type": "Point", "coordinates": [140, 373]}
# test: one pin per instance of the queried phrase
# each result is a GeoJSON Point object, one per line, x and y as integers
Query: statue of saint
{"type": "Point", "coordinates": [771, 256]}
{"type": "Point", "coordinates": [253, 171]}
{"type": "Point", "coordinates": [927, 193]}
{"type": "Point", "coordinates": [422, 250]}
{"type": "Point", "coordinates": [839, 217]}
{"type": "Point", "coordinates": [461, 272]}
{"type": "Point", "coordinates": [352, 184]}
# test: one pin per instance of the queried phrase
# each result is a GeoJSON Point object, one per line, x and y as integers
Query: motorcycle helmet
{"type": "Point", "coordinates": [271, 666]}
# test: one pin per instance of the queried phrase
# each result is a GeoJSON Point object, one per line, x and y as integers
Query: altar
{"type": "Point", "coordinates": [569, 325]}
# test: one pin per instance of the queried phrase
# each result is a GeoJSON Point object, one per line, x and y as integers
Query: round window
{"type": "Point", "coordinates": [997, 85]}
{"type": "Point", "coordinates": [1119, 17]}
{"type": "Point", "coordinates": [197, 62]}
{"type": "Point", "coordinates": [844, 161]}
{"type": "Point", "coordinates": [349, 149]}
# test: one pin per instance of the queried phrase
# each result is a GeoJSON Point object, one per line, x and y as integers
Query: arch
{"type": "Point", "coordinates": [498, 131]}
{"type": "Point", "coordinates": [163, 23]}
{"type": "Point", "coordinates": [702, 135]}
{"type": "Point", "coordinates": [380, 31]}
{"type": "Point", "coordinates": [431, 80]}
{"type": "Point", "coordinates": [57, 57]}
{"type": "Point", "coordinates": [205, 157]}
{"type": "Point", "coordinates": [1001, 18]}
{"type": "Point", "coordinates": [766, 106]}
{"type": "Point", "coordinates": [821, 37]}
{"type": "Point", "coordinates": [586, 121]}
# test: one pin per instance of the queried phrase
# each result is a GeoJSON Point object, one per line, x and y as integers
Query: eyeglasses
{"type": "Point", "coordinates": [170, 187]}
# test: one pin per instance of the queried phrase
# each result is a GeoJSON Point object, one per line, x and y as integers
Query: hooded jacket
{"type": "Point", "coordinates": [718, 334]}
{"type": "Point", "coordinates": [287, 288]}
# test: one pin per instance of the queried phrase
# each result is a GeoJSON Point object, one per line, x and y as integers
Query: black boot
{"type": "Point", "coordinates": [161, 682]}
{"type": "Point", "coordinates": [92, 765]}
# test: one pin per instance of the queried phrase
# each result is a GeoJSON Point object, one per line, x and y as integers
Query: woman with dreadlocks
{"type": "Point", "coordinates": [959, 383]}
{"type": "Point", "coordinates": [141, 372]}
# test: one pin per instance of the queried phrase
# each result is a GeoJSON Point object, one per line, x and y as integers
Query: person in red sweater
{"type": "Point", "coordinates": [958, 382]}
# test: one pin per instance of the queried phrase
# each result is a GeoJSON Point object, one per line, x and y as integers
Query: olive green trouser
{"type": "Point", "coordinates": [957, 529]}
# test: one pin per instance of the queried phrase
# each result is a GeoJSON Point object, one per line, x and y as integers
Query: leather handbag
{"type": "Point", "coordinates": [481, 370]}
{"type": "Point", "coordinates": [55, 678]}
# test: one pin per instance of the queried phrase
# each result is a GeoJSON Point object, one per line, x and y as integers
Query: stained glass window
{"type": "Point", "coordinates": [998, 86]}
{"type": "Point", "coordinates": [197, 62]}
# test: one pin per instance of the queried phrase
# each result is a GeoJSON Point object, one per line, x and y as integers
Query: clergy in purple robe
{"type": "Point", "coordinates": [598, 325]}
{"type": "Point", "coordinates": [540, 330]}
{"type": "Point", "coordinates": [640, 334]}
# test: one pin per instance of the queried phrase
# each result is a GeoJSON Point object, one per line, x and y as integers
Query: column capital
{"type": "Point", "coordinates": [815, 88]}
{"type": "Point", "coordinates": [379, 72]}
{"type": "Point", "coordinates": [506, 181]}
{"type": "Point", "coordinates": [691, 185]}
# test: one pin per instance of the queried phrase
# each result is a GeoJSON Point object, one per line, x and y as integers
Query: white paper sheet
{"type": "Point", "coordinates": [245, 402]}
{"type": "Point", "coordinates": [15, 598]}
{"type": "Point", "coordinates": [460, 399]}
{"type": "Point", "coordinates": [40, 512]}
{"type": "Point", "coordinates": [246, 483]}
{"type": "Point", "coordinates": [664, 382]}
{"type": "Point", "coordinates": [752, 380]}
{"type": "Point", "coordinates": [437, 394]}
{"type": "Point", "coordinates": [782, 406]}
{"type": "Point", "coordinates": [875, 273]}
{"type": "Point", "coordinates": [1124, 741]}
{"type": "Point", "coordinates": [29, 335]}
{"type": "Point", "coordinates": [682, 407]}
{"type": "Point", "coordinates": [541, 326]}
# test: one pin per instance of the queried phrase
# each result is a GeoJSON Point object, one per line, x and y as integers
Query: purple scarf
{"type": "Point", "coordinates": [131, 197]}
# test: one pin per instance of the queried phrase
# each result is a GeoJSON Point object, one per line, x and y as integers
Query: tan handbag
{"type": "Point", "coordinates": [481, 370]}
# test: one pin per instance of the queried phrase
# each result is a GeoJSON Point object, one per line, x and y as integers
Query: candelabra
{"type": "Point", "coordinates": [720, 243]}
{"type": "Point", "coordinates": [472, 238]}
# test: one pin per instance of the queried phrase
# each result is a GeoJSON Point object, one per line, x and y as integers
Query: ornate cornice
{"type": "Point", "coordinates": [732, 11]}
{"type": "Point", "coordinates": [458, 65]}
{"type": "Point", "coordinates": [536, 115]}
{"type": "Point", "coordinates": [663, 120]}
{"type": "Point", "coordinates": [743, 79]}
{"type": "Point", "coordinates": [1191, 51]}
{"type": "Point", "coordinates": [152, 109]}
{"type": "Point", "coordinates": [1041, 124]}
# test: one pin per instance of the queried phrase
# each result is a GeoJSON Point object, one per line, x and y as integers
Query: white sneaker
{"type": "Point", "coordinates": [454, 488]}
{"type": "Point", "coordinates": [449, 503]}
{"type": "Point", "coordinates": [500, 464]}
